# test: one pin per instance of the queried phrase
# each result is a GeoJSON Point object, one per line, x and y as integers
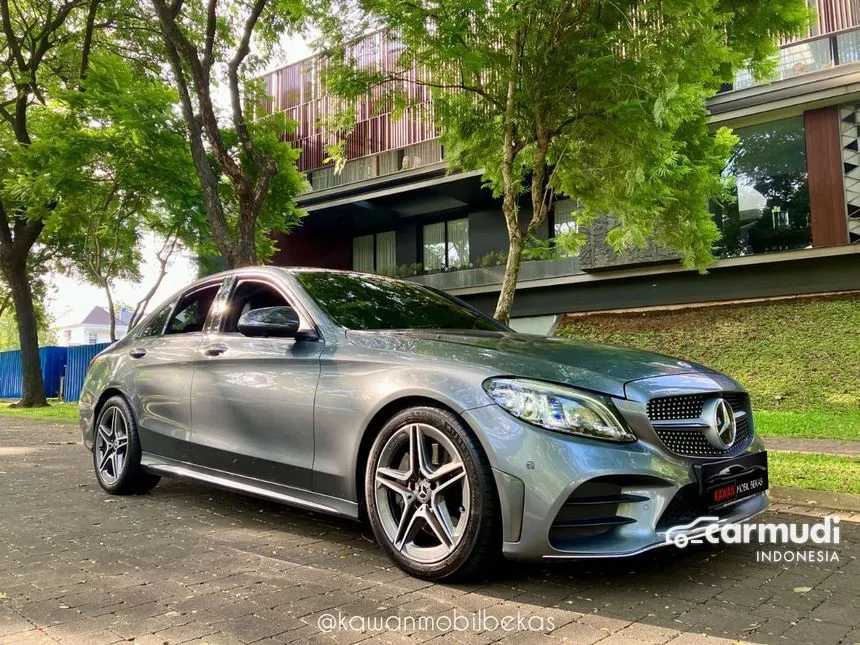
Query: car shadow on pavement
{"type": "Point", "coordinates": [717, 590]}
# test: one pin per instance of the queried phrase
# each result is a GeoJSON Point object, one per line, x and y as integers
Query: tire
{"type": "Point", "coordinates": [435, 510]}
{"type": "Point", "coordinates": [116, 451]}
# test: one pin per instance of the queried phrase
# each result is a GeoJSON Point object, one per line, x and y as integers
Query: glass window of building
{"type": "Point", "coordinates": [564, 219]}
{"type": "Point", "coordinates": [375, 253]}
{"type": "Point", "coordinates": [386, 252]}
{"type": "Point", "coordinates": [771, 209]}
{"type": "Point", "coordinates": [458, 243]}
{"type": "Point", "coordinates": [362, 253]}
{"type": "Point", "coordinates": [446, 245]}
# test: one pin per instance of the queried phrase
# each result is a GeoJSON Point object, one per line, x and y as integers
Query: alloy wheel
{"type": "Point", "coordinates": [422, 493]}
{"type": "Point", "coordinates": [111, 445]}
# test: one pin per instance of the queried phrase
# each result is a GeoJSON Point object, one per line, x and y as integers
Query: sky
{"type": "Point", "coordinates": [70, 299]}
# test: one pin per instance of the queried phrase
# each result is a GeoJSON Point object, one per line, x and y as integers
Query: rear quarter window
{"type": "Point", "coordinates": [155, 325]}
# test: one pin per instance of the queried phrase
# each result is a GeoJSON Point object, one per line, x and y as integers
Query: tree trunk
{"type": "Point", "coordinates": [510, 205]}
{"type": "Point", "coordinates": [111, 311]}
{"type": "Point", "coordinates": [509, 283]}
{"type": "Point", "coordinates": [32, 386]}
{"type": "Point", "coordinates": [245, 252]}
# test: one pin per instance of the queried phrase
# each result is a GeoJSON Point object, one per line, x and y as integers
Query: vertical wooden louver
{"type": "Point", "coordinates": [834, 15]}
{"type": "Point", "coordinates": [297, 94]}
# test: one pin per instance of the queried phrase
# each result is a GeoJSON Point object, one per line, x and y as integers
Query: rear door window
{"type": "Point", "coordinates": [190, 315]}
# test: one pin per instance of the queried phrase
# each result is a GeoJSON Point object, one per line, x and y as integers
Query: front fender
{"type": "Point", "coordinates": [354, 396]}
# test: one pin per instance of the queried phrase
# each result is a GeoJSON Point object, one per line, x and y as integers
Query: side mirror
{"type": "Point", "coordinates": [278, 322]}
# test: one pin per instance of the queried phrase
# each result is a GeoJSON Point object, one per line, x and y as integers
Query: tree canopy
{"type": "Point", "coordinates": [108, 162]}
{"type": "Point", "coordinates": [248, 175]}
{"type": "Point", "coordinates": [44, 50]}
{"type": "Point", "coordinates": [602, 102]}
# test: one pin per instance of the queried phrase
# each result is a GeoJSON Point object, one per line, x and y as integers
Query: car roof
{"type": "Point", "coordinates": [274, 270]}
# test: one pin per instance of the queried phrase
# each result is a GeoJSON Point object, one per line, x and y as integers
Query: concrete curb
{"type": "Point", "coordinates": [817, 499]}
{"type": "Point", "coordinates": [830, 447]}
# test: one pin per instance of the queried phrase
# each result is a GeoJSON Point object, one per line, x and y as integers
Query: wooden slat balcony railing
{"type": "Point", "coordinates": [833, 39]}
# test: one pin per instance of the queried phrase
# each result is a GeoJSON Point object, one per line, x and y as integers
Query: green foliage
{"type": "Point", "coordinates": [280, 212]}
{"type": "Point", "coordinates": [792, 355]}
{"type": "Point", "coordinates": [9, 329]}
{"type": "Point", "coordinates": [405, 271]}
{"type": "Point", "coordinates": [600, 101]}
{"type": "Point", "coordinates": [493, 259]}
{"type": "Point", "coordinates": [108, 162]}
{"type": "Point", "coordinates": [537, 249]}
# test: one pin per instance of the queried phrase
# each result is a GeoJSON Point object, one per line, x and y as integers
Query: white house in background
{"type": "Point", "coordinates": [94, 328]}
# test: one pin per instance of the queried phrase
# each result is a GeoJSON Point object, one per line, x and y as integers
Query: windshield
{"type": "Point", "coordinates": [364, 302]}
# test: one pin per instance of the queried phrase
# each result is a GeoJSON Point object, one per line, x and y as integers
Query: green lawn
{"type": "Point", "coordinates": [799, 355]}
{"type": "Point", "coordinates": [56, 411]}
{"type": "Point", "coordinates": [810, 470]}
{"type": "Point", "coordinates": [808, 425]}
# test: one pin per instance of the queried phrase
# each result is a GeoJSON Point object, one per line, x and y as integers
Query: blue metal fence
{"type": "Point", "coordinates": [56, 362]}
{"type": "Point", "coordinates": [77, 362]}
{"type": "Point", "coordinates": [52, 360]}
{"type": "Point", "coordinates": [10, 374]}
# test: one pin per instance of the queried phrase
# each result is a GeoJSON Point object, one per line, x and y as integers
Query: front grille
{"type": "Point", "coordinates": [691, 441]}
{"type": "Point", "coordinates": [689, 406]}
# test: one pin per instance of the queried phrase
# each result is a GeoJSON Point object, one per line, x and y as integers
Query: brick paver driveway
{"type": "Point", "coordinates": [187, 563]}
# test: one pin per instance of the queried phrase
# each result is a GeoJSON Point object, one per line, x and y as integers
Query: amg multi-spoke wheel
{"type": "Point", "coordinates": [430, 495]}
{"type": "Point", "coordinates": [116, 451]}
{"type": "Point", "coordinates": [111, 447]}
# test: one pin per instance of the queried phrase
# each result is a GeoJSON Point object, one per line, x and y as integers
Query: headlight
{"type": "Point", "coordinates": [558, 408]}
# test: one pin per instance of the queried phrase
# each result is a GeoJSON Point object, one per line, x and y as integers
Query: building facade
{"type": "Point", "coordinates": [394, 209]}
{"type": "Point", "coordinates": [92, 329]}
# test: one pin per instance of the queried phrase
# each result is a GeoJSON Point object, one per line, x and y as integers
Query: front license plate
{"type": "Point", "coordinates": [729, 481]}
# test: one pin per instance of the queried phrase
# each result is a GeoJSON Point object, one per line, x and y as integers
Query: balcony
{"type": "Point", "coordinates": [493, 276]}
{"type": "Point", "coordinates": [807, 56]}
{"type": "Point", "coordinates": [378, 165]}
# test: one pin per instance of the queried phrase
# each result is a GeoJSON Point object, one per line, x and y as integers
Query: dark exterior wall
{"type": "Point", "coordinates": [807, 276]}
{"type": "Point", "coordinates": [364, 221]}
{"type": "Point", "coordinates": [487, 231]}
{"type": "Point", "coordinates": [306, 246]}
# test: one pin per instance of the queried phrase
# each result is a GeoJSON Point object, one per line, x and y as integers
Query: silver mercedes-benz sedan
{"type": "Point", "coordinates": [458, 439]}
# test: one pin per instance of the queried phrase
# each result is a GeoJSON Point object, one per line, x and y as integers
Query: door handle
{"type": "Point", "coordinates": [137, 352]}
{"type": "Point", "coordinates": [215, 349]}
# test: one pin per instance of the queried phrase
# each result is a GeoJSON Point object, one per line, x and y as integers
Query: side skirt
{"type": "Point", "coordinates": [253, 487]}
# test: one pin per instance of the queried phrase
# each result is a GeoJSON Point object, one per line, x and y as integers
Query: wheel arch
{"type": "Point", "coordinates": [106, 395]}
{"type": "Point", "coordinates": [378, 421]}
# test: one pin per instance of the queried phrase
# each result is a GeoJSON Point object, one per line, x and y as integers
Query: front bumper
{"type": "Point", "coordinates": [554, 489]}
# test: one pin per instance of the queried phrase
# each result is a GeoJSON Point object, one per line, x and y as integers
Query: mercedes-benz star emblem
{"type": "Point", "coordinates": [721, 419]}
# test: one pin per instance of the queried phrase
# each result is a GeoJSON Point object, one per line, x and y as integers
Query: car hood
{"type": "Point", "coordinates": [601, 368]}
